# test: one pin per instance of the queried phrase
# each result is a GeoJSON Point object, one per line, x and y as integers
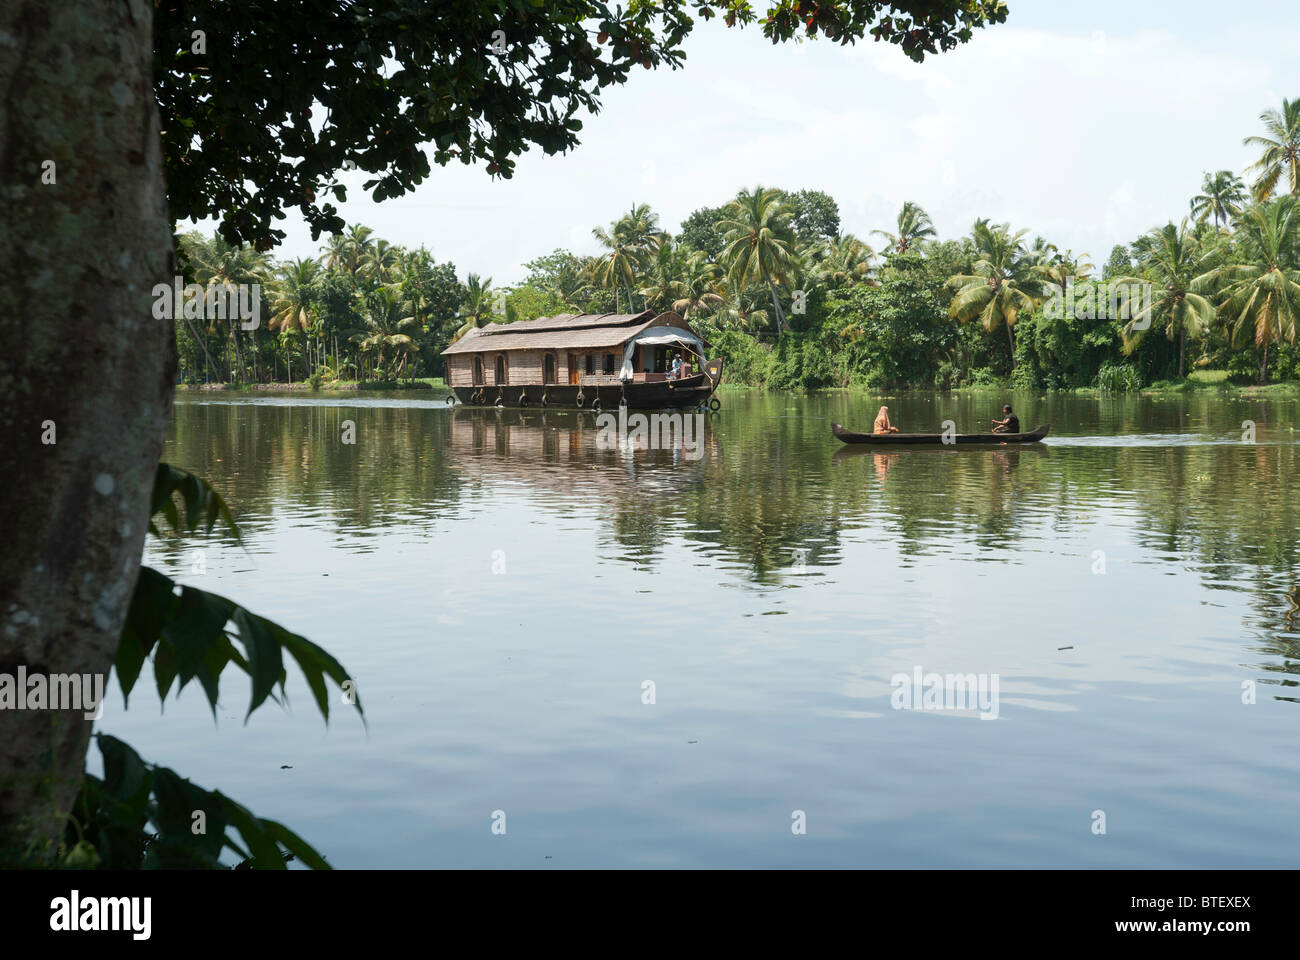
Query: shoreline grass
{"type": "Point", "coordinates": [436, 385]}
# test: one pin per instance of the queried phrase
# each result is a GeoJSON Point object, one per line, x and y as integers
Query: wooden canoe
{"type": "Point", "coordinates": [890, 439]}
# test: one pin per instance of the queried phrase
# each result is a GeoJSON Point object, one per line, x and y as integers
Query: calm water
{"type": "Point", "coordinates": [501, 589]}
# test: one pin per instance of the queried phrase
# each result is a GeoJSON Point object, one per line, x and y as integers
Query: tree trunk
{"type": "Point", "coordinates": [776, 304]}
{"type": "Point", "coordinates": [202, 341]}
{"type": "Point", "coordinates": [78, 261]}
{"type": "Point", "coordinates": [1263, 365]}
{"type": "Point", "coordinates": [1182, 349]}
{"type": "Point", "coordinates": [1011, 342]}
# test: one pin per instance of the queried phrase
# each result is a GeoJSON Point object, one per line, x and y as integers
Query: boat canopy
{"type": "Point", "coordinates": [655, 337]}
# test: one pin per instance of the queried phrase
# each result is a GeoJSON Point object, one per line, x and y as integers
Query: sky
{"type": "Point", "coordinates": [1085, 123]}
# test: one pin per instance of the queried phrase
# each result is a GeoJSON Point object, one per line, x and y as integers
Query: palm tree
{"type": "Point", "coordinates": [348, 254]}
{"type": "Point", "coordinates": [913, 225]}
{"type": "Point", "coordinates": [1176, 267]}
{"type": "Point", "coordinates": [848, 261]}
{"type": "Point", "coordinates": [219, 263]}
{"type": "Point", "coordinates": [381, 310]}
{"type": "Point", "coordinates": [477, 310]}
{"type": "Point", "coordinates": [741, 309]}
{"type": "Point", "coordinates": [662, 283]}
{"type": "Point", "coordinates": [643, 226]}
{"type": "Point", "coordinates": [336, 252]}
{"type": "Point", "coordinates": [627, 241]}
{"type": "Point", "coordinates": [699, 285]}
{"type": "Point", "coordinates": [1063, 270]}
{"type": "Point", "coordinates": [1001, 284]}
{"type": "Point", "coordinates": [1281, 150]}
{"type": "Point", "coordinates": [292, 299]}
{"type": "Point", "coordinates": [1262, 296]}
{"type": "Point", "coordinates": [418, 277]}
{"type": "Point", "coordinates": [759, 244]}
{"type": "Point", "coordinates": [1222, 194]}
{"type": "Point", "coordinates": [377, 260]}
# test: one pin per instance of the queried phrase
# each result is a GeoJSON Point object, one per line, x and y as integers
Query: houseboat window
{"type": "Point", "coordinates": [478, 371]}
{"type": "Point", "coordinates": [501, 370]}
{"type": "Point", "coordinates": [591, 364]}
{"type": "Point", "coordinates": [548, 368]}
{"type": "Point", "coordinates": [609, 364]}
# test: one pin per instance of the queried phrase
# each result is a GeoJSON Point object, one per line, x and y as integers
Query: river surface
{"type": "Point", "coordinates": [509, 593]}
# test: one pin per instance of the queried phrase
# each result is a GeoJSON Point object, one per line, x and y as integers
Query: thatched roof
{"type": "Point", "coordinates": [566, 331]}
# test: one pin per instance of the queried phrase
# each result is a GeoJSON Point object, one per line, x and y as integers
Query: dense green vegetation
{"type": "Point", "coordinates": [791, 302]}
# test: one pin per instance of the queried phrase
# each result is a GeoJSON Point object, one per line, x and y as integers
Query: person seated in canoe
{"type": "Point", "coordinates": [1009, 423]}
{"type": "Point", "coordinates": [882, 424]}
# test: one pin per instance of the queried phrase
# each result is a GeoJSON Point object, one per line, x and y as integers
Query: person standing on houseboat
{"type": "Point", "coordinates": [882, 424]}
{"type": "Point", "coordinates": [676, 373]}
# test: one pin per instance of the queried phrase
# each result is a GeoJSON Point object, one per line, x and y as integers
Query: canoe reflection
{"type": "Point", "coordinates": [1007, 458]}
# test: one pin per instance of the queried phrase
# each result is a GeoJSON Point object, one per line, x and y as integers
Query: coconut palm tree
{"type": "Point", "coordinates": [628, 243]}
{"type": "Point", "coordinates": [619, 265]}
{"type": "Point", "coordinates": [1222, 194]}
{"type": "Point", "coordinates": [1063, 270]}
{"type": "Point", "coordinates": [913, 226]}
{"type": "Point", "coordinates": [381, 310]}
{"type": "Point", "coordinates": [1176, 271]}
{"type": "Point", "coordinates": [1261, 296]}
{"type": "Point", "coordinates": [479, 305]}
{"type": "Point", "coordinates": [377, 260]}
{"type": "Point", "coordinates": [662, 283]}
{"type": "Point", "coordinates": [848, 261]}
{"type": "Point", "coordinates": [349, 253]}
{"type": "Point", "coordinates": [643, 226]}
{"type": "Point", "coordinates": [418, 279]}
{"type": "Point", "coordinates": [218, 263]}
{"type": "Point", "coordinates": [335, 252]}
{"type": "Point", "coordinates": [742, 308]}
{"type": "Point", "coordinates": [293, 300]}
{"type": "Point", "coordinates": [1280, 150]}
{"type": "Point", "coordinates": [1001, 285]}
{"type": "Point", "coordinates": [701, 285]}
{"type": "Point", "coordinates": [759, 243]}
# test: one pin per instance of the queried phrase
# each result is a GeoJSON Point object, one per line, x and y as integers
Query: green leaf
{"type": "Point", "coordinates": [296, 845]}
{"type": "Point", "coordinates": [198, 624]}
{"type": "Point", "coordinates": [125, 775]}
{"type": "Point", "coordinates": [315, 664]}
{"type": "Point", "coordinates": [177, 844]}
{"type": "Point", "coordinates": [152, 604]}
{"type": "Point", "coordinates": [262, 848]}
{"type": "Point", "coordinates": [164, 669]}
{"type": "Point", "coordinates": [200, 502]}
{"type": "Point", "coordinates": [266, 666]}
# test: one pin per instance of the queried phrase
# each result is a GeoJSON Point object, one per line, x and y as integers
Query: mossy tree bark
{"type": "Point", "coordinates": [85, 237]}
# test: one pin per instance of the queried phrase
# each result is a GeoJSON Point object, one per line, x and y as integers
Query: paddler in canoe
{"type": "Point", "coordinates": [1009, 423]}
{"type": "Point", "coordinates": [882, 424]}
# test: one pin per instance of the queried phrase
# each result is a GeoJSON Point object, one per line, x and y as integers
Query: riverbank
{"type": "Point", "coordinates": [435, 384]}
{"type": "Point", "coordinates": [1201, 382]}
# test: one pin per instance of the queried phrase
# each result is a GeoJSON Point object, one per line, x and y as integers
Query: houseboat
{"type": "Point", "coordinates": [590, 360]}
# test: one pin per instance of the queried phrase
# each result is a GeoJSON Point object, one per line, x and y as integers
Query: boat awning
{"type": "Point", "coordinates": [656, 337]}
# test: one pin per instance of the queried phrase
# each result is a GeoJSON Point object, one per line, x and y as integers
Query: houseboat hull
{"type": "Point", "coordinates": [657, 395]}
